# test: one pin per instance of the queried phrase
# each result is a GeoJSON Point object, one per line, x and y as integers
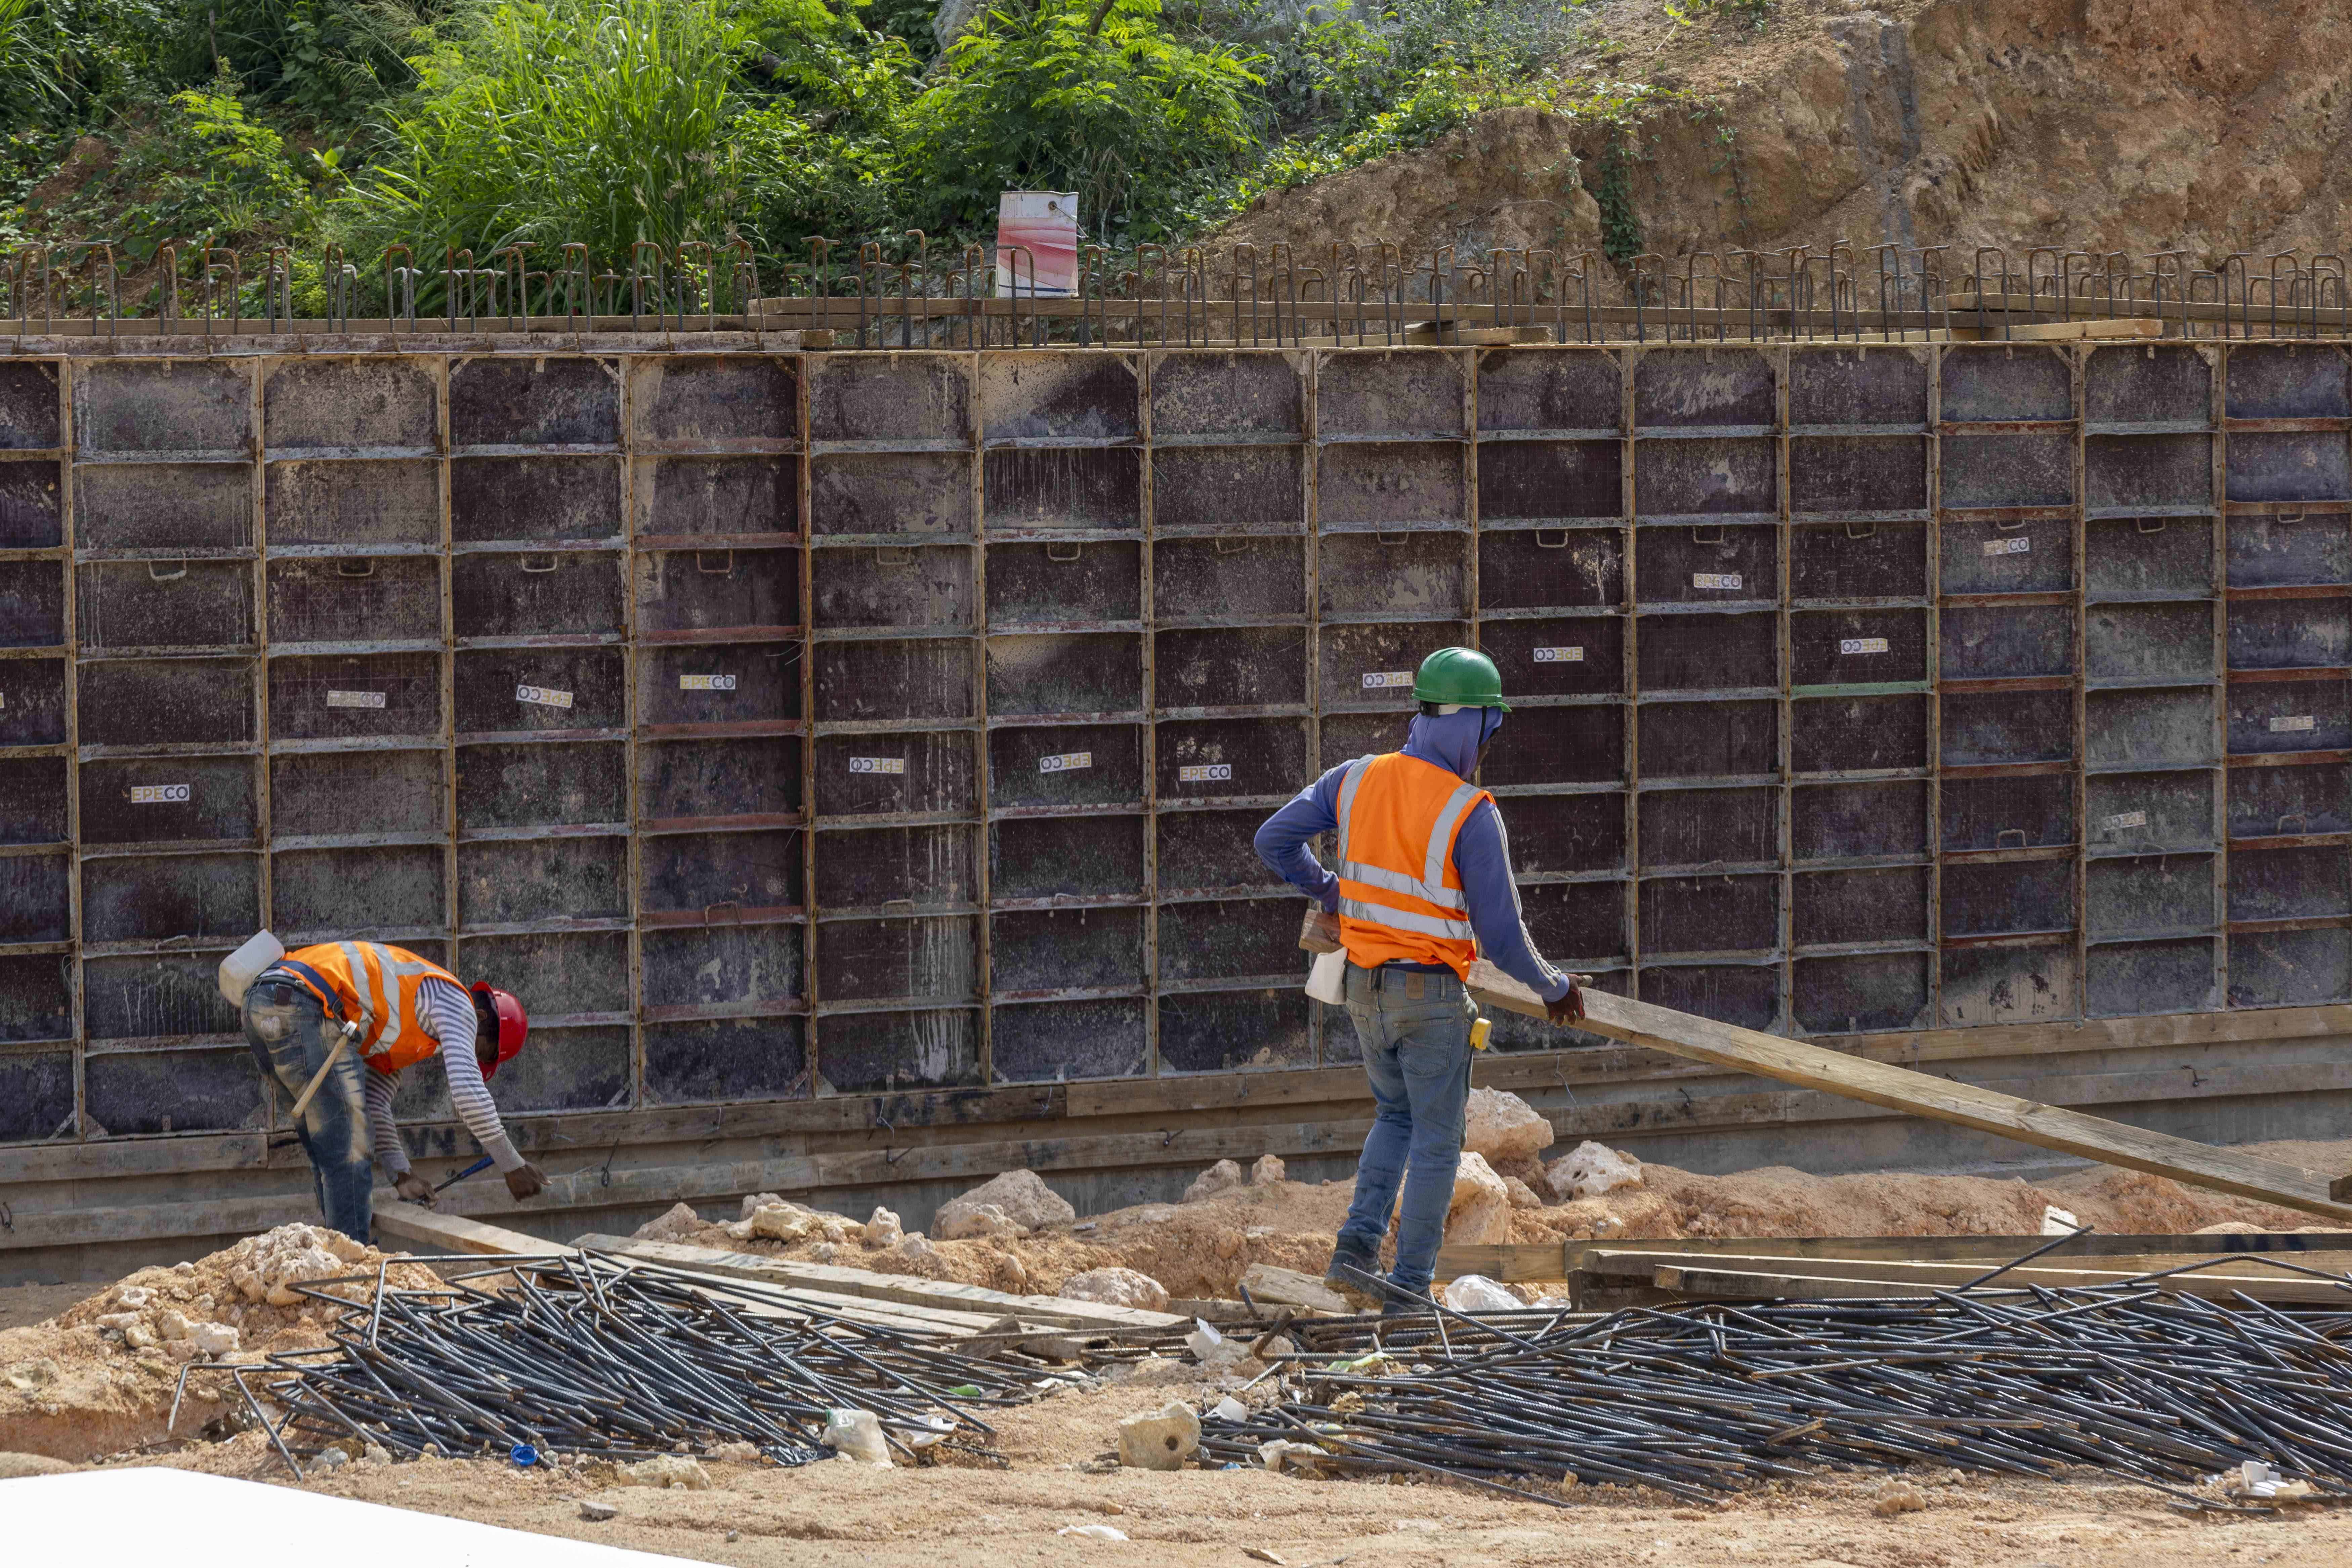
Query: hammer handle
{"type": "Point", "coordinates": [342, 1042]}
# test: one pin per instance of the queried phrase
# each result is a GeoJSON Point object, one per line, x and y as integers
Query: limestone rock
{"type": "Point", "coordinates": [1162, 1440]}
{"type": "Point", "coordinates": [1523, 1197]}
{"type": "Point", "coordinates": [753, 1203]}
{"type": "Point", "coordinates": [1289, 1288]}
{"type": "Point", "coordinates": [213, 1339]}
{"type": "Point", "coordinates": [119, 1322]}
{"type": "Point", "coordinates": [1116, 1287]}
{"type": "Point", "coordinates": [676, 1225]}
{"type": "Point", "coordinates": [1897, 1497]}
{"type": "Point", "coordinates": [915, 1243]}
{"type": "Point", "coordinates": [1481, 1211]}
{"type": "Point", "coordinates": [882, 1230]}
{"type": "Point", "coordinates": [824, 1252]}
{"type": "Point", "coordinates": [130, 1298]}
{"type": "Point", "coordinates": [783, 1222]}
{"type": "Point", "coordinates": [1024, 1197]}
{"type": "Point", "coordinates": [597, 1512]}
{"type": "Point", "coordinates": [1590, 1170]}
{"type": "Point", "coordinates": [737, 1453]}
{"type": "Point", "coordinates": [959, 1221]}
{"type": "Point", "coordinates": [172, 1324]}
{"type": "Point", "coordinates": [1499, 1125]}
{"type": "Point", "coordinates": [1217, 1180]}
{"type": "Point", "coordinates": [139, 1337]}
{"type": "Point", "coordinates": [670, 1470]}
{"type": "Point", "coordinates": [1267, 1172]}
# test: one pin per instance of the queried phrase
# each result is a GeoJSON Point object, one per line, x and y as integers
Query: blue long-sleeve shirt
{"type": "Point", "coordinates": [1482, 854]}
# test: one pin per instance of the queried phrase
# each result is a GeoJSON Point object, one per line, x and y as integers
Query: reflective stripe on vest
{"type": "Point", "coordinates": [1440, 932]}
{"type": "Point", "coordinates": [377, 986]}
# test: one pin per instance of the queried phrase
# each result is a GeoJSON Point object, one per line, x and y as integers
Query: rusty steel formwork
{"type": "Point", "coordinates": [784, 724]}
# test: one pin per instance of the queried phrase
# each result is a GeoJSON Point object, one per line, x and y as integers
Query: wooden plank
{"type": "Point", "coordinates": [912, 1289]}
{"type": "Point", "coordinates": [1922, 1094]}
{"type": "Point", "coordinates": [1539, 1262]}
{"type": "Point", "coordinates": [1640, 1263]}
{"type": "Point", "coordinates": [1728, 1284]}
{"type": "Point", "coordinates": [432, 1230]}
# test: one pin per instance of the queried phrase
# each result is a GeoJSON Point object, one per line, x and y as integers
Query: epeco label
{"type": "Point", "coordinates": [1205, 773]}
{"type": "Point", "coordinates": [877, 765]}
{"type": "Point", "coordinates": [158, 795]}
{"type": "Point", "coordinates": [706, 683]}
{"type": "Point", "coordinates": [1559, 655]}
{"type": "Point", "coordinates": [1066, 761]}
{"type": "Point", "coordinates": [543, 696]}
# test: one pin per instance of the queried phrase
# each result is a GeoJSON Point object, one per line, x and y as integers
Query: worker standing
{"type": "Point", "coordinates": [1423, 888]}
{"type": "Point", "coordinates": [351, 1017]}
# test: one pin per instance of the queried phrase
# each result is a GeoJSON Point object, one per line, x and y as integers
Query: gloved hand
{"type": "Point", "coordinates": [526, 1180]}
{"type": "Point", "coordinates": [1567, 1008]}
{"type": "Point", "coordinates": [414, 1188]}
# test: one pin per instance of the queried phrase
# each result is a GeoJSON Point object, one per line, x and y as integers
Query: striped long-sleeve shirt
{"type": "Point", "coordinates": [450, 1016]}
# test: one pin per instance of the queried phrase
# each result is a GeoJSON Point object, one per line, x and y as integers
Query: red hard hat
{"type": "Point", "coordinates": [514, 1024]}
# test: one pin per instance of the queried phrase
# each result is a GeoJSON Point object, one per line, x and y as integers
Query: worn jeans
{"type": "Point", "coordinates": [290, 1035]}
{"type": "Point", "coordinates": [1415, 1031]}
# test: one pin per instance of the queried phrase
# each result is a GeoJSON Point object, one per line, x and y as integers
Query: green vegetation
{"type": "Point", "coordinates": [482, 124]}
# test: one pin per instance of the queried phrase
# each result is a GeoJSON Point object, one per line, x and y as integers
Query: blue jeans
{"type": "Point", "coordinates": [1415, 1031]}
{"type": "Point", "coordinates": [290, 1035]}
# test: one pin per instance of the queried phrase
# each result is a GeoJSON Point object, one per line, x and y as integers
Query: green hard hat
{"type": "Point", "coordinates": [1460, 676]}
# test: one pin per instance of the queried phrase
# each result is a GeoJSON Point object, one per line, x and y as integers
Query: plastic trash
{"type": "Point", "coordinates": [1202, 1340]}
{"type": "Point", "coordinates": [856, 1435]}
{"type": "Point", "coordinates": [1229, 1409]}
{"type": "Point", "coordinates": [523, 1455]}
{"type": "Point", "coordinates": [1093, 1531]}
{"type": "Point", "coordinates": [1476, 1293]}
{"type": "Point", "coordinates": [240, 968]}
{"type": "Point", "coordinates": [2056, 1221]}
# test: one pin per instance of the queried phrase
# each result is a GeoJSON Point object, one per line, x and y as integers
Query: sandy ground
{"type": "Point", "coordinates": [64, 1384]}
{"type": "Point", "coordinates": [842, 1514]}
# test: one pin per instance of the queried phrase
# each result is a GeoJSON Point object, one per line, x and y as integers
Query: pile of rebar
{"type": "Point", "coordinates": [2150, 1388]}
{"type": "Point", "coordinates": [580, 1356]}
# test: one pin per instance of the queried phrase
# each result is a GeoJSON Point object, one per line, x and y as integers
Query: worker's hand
{"type": "Point", "coordinates": [414, 1188]}
{"type": "Point", "coordinates": [526, 1181]}
{"type": "Point", "coordinates": [1567, 1008]}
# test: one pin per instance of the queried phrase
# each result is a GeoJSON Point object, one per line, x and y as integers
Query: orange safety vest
{"type": "Point", "coordinates": [1400, 895]}
{"type": "Point", "coordinates": [375, 986]}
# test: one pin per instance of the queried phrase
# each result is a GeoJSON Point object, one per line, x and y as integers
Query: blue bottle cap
{"type": "Point", "coordinates": [524, 1455]}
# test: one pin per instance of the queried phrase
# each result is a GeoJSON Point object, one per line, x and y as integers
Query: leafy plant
{"type": "Point", "coordinates": [542, 122]}
{"type": "Point", "coordinates": [333, 58]}
{"type": "Point", "coordinates": [1085, 95]}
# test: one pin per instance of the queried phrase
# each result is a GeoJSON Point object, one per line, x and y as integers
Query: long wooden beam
{"type": "Point", "coordinates": [1922, 1094]}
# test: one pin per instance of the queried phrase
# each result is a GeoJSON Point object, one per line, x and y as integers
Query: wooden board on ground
{"type": "Point", "coordinates": [1535, 1262]}
{"type": "Point", "coordinates": [1922, 1094]}
{"type": "Point", "coordinates": [910, 1290]}
{"type": "Point", "coordinates": [2054, 1270]}
{"type": "Point", "coordinates": [428, 1230]}
{"type": "Point", "coordinates": [1721, 1280]}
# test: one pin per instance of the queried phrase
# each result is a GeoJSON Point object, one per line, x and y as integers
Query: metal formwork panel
{"type": "Point", "coordinates": [787, 724]}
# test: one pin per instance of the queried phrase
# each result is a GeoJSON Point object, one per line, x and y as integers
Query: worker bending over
{"type": "Point", "coordinates": [1423, 888]}
{"type": "Point", "coordinates": [399, 1009]}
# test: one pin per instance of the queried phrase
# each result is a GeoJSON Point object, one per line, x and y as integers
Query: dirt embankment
{"type": "Point", "coordinates": [1199, 1249]}
{"type": "Point", "coordinates": [2206, 126]}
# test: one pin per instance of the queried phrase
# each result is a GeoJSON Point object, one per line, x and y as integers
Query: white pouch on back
{"type": "Point", "coordinates": [241, 968]}
{"type": "Point", "coordinates": [1327, 977]}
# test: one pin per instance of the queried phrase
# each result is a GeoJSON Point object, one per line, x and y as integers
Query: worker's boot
{"type": "Point", "coordinates": [1362, 1289]}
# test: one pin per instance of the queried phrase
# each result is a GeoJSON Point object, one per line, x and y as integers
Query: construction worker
{"type": "Point", "coordinates": [363, 1011]}
{"type": "Point", "coordinates": [1423, 888]}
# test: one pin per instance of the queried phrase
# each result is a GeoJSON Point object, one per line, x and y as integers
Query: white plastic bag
{"type": "Point", "coordinates": [1475, 1293]}
{"type": "Point", "coordinates": [1327, 977]}
{"type": "Point", "coordinates": [856, 1435]}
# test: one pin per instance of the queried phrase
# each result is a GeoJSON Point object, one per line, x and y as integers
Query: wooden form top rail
{"type": "Point", "coordinates": [1922, 1094]}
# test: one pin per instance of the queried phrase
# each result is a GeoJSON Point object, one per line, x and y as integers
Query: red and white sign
{"type": "Point", "coordinates": [1037, 244]}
